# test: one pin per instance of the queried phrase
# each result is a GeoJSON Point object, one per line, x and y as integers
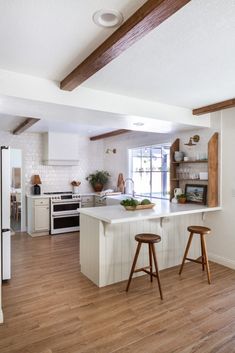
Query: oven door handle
{"type": "Point", "coordinates": [65, 202]}
{"type": "Point", "coordinates": [66, 215]}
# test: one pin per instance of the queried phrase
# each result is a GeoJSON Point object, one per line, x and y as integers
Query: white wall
{"type": "Point", "coordinates": [221, 244]}
{"type": "Point", "coordinates": [54, 178]}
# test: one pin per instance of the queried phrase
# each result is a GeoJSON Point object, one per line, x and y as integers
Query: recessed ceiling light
{"type": "Point", "coordinates": [107, 18]}
{"type": "Point", "coordinates": [138, 123]}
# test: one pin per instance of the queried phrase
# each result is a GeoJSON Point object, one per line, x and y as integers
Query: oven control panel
{"type": "Point", "coordinates": [73, 197]}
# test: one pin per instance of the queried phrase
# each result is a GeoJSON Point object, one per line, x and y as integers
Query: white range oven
{"type": "Point", "coordinates": [65, 212]}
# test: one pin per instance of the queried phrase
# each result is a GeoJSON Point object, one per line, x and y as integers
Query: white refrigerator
{"type": "Point", "coordinates": [5, 175]}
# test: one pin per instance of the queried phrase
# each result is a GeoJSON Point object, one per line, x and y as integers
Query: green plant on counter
{"type": "Point", "coordinates": [130, 202]}
{"type": "Point", "coordinates": [145, 202]}
{"type": "Point", "coordinates": [133, 202]}
{"type": "Point", "coordinates": [182, 198]}
{"type": "Point", "coordinates": [100, 177]}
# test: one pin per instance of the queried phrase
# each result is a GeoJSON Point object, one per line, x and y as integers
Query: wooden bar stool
{"type": "Point", "coordinates": [202, 231]}
{"type": "Point", "coordinates": [149, 239]}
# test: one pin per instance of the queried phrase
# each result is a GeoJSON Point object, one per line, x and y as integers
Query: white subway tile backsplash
{"type": "Point", "coordinates": [55, 178]}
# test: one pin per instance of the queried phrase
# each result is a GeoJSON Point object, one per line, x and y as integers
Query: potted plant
{"type": "Point", "coordinates": [181, 198]}
{"type": "Point", "coordinates": [98, 179]}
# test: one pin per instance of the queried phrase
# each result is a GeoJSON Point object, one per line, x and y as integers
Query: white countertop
{"type": "Point", "coordinates": [98, 194]}
{"type": "Point", "coordinates": [42, 196]}
{"type": "Point", "coordinates": [163, 208]}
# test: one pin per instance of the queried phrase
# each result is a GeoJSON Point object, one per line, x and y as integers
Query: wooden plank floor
{"type": "Point", "coordinates": [50, 307]}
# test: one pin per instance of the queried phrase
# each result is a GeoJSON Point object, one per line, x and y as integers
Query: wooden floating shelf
{"type": "Point", "coordinates": [197, 161]}
{"type": "Point", "coordinates": [175, 179]}
{"type": "Point", "coordinates": [212, 182]}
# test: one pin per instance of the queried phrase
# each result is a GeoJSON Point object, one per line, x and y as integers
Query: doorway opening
{"type": "Point", "coordinates": [16, 189]}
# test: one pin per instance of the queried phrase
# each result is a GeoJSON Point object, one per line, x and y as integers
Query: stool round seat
{"type": "Point", "coordinates": [199, 229]}
{"type": "Point", "coordinates": [148, 238]}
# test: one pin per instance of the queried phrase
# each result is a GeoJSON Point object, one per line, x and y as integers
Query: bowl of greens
{"type": "Point", "coordinates": [133, 204]}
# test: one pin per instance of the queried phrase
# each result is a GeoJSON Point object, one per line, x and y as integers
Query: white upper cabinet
{"type": "Point", "coordinates": [60, 149]}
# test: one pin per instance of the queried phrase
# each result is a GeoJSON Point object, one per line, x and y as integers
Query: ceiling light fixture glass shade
{"type": "Point", "coordinates": [108, 18]}
{"type": "Point", "coordinates": [192, 140]}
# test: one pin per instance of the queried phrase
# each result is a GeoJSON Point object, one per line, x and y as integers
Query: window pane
{"type": "Point", "coordinates": [150, 171]}
{"type": "Point", "coordinates": [142, 183]}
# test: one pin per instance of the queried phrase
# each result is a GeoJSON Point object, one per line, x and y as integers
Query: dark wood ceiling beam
{"type": "Point", "coordinates": [109, 134]}
{"type": "Point", "coordinates": [215, 107]}
{"type": "Point", "coordinates": [144, 20]}
{"type": "Point", "coordinates": [25, 125]}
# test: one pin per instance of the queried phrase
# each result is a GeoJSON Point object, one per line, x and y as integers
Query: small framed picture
{"type": "Point", "coordinates": [196, 193]}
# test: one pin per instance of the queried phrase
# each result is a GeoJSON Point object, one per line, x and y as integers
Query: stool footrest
{"type": "Point", "coordinates": [141, 269]}
{"type": "Point", "coordinates": [193, 260]}
{"type": "Point", "coordinates": [149, 273]}
{"type": "Point", "coordinates": [144, 269]}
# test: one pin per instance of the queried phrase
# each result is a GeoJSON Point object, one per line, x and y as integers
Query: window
{"type": "Point", "coordinates": [149, 167]}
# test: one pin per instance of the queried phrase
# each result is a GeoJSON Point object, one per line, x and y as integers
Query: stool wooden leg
{"type": "Point", "coordinates": [203, 256]}
{"type": "Point", "coordinates": [156, 267]}
{"type": "Point", "coordinates": [133, 265]}
{"type": "Point", "coordinates": [186, 252]}
{"type": "Point", "coordinates": [150, 263]}
{"type": "Point", "coordinates": [206, 259]}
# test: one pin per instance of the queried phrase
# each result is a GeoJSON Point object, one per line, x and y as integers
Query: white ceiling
{"type": "Point", "coordinates": [58, 118]}
{"type": "Point", "coordinates": [9, 122]}
{"type": "Point", "coordinates": [48, 38]}
{"type": "Point", "coordinates": [188, 61]}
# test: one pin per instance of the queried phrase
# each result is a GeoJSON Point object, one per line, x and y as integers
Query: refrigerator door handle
{"type": "Point", "coordinates": [4, 230]}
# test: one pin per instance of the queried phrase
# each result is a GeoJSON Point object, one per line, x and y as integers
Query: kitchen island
{"type": "Point", "coordinates": [107, 244]}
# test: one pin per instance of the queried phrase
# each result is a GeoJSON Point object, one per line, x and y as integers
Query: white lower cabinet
{"type": "Point", "coordinates": [38, 216]}
{"type": "Point", "coordinates": [41, 218]}
{"type": "Point", "coordinates": [87, 201]}
{"type": "Point", "coordinates": [100, 201]}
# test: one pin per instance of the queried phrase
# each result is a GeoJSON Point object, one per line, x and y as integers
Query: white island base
{"type": "Point", "coordinates": [107, 246]}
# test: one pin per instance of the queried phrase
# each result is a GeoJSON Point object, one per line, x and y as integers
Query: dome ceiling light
{"type": "Point", "coordinates": [108, 18]}
{"type": "Point", "coordinates": [138, 123]}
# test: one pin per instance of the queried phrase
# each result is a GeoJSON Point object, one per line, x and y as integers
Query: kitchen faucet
{"type": "Point", "coordinates": [133, 189]}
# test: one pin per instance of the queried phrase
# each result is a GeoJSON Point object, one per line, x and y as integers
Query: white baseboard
{"type": "Point", "coordinates": [222, 260]}
{"type": "Point", "coordinates": [1, 316]}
